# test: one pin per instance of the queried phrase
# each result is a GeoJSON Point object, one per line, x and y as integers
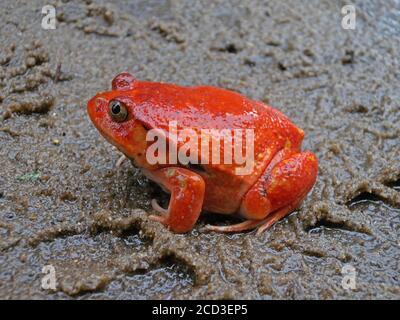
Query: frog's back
{"type": "Point", "coordinates": [207, 107]}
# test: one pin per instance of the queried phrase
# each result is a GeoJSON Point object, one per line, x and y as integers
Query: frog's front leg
{"type": "Point", "coordinates": [279, 191]}
{"type": "Point", "coordinates": [187, 195]}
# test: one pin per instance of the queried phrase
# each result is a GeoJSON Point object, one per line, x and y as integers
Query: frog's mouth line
{"type": "Point", "coordinates": [109, 136]}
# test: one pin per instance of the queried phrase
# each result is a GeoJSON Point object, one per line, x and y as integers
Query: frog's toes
{"type": "Point", "coordinates": [239, 227]}
{"type": "Point", "coordinates": [157, 207]}
{"type": "Point", "coordinates": [160, 219]}
{"type": "Point", "coordinates": [164, 213]}
{"type": "Point", "coordinates": [120, 161]}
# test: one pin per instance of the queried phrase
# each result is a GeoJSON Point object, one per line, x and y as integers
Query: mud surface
{"type": "Point", "coordinates": [64, 203]}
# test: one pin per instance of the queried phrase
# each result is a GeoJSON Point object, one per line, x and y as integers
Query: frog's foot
{"type": "Point", "coordinates": [274, 217]}
{"type": "Point", "coordinates": [164, 212]}
{"type": "Point", "coordinates": [163, 217]}
{"type": "Point", "coordinates": [262, 225]}
{"type": "Point", "coordinates": [239, 227]}
{"type": "Point", "coordinates": [187, 194]}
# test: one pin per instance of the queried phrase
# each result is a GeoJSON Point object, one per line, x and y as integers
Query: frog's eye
{"type": "Point", "coordinates": [117, 111]}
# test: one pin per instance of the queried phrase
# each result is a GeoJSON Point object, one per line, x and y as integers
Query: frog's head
{"type": "Point", "coordinates": [112, 113]}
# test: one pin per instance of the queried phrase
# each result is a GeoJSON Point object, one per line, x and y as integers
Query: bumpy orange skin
{"type": "Point", "coordinates": [282, 175]}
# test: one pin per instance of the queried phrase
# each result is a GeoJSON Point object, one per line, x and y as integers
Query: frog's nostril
{"type": "Point", "coordinates": [99, 103]}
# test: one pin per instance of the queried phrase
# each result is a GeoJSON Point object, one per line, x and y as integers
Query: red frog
{"type": "Point", "coordinates": [281, 174]}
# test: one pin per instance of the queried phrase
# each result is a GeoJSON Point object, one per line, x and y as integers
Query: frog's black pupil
{"type": "Point", "coordinates": [115, 108]}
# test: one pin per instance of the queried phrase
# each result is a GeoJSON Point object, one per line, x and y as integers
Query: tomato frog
{"type": "Point", "coordinates": [281, 174]}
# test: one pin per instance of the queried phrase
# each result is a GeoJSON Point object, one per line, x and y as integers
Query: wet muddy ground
{"type": "Point", "coordinates": [64, 203]}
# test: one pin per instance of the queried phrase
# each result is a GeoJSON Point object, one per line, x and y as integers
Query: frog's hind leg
{"type": "Point", "coordinates": [279, 191]}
